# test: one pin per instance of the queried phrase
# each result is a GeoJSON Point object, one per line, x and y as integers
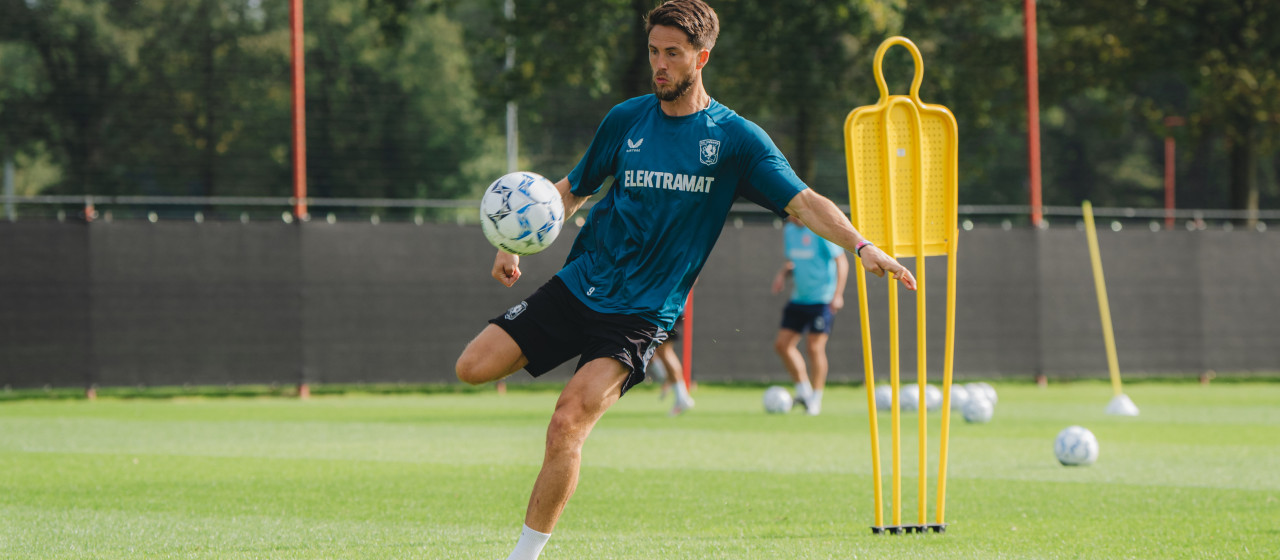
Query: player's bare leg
{"type": "Point", "coordinates": [591, 391]}
{"type": "Point", "coordinates": [491, 356]}
{"type": "Point", "coordinates": [785, 346]}
{"type": "Point", "coordinates": [816, 345]}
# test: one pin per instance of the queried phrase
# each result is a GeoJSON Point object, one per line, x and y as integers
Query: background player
{"type": "Point", "coordinates": [818, 270]}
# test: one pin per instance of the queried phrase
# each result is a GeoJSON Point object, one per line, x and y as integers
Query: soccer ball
{"type": "Point", "coordinates": [884, 397]}
{"type": "Point", "coordinates": [959, 397]}
{"type": "Point", "coordinates": [978, 410]}
{"type": "Point", "coordinates": [777, 400]}
{"type": "Point", "coordinates": [909, 397]}
{"type": "Point", "coordinates": [984, 390]}
{"type": "Point", "coordinates": [1076, 447]}
{"type": "Point", "coordinates": [933, 397]}
{"type": "Point", "coordinates": [521, 213]}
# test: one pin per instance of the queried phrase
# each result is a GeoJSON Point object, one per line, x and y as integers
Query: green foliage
{"type": "Point", "coordinates": [156, 97]}
{"type": "Point", "coordinates": [408, 99]}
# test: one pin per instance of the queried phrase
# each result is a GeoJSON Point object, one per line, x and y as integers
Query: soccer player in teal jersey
{"type": "Point", "coordinates": [818, 269]}
{"type": "Point", "coordinates": [678, 159]}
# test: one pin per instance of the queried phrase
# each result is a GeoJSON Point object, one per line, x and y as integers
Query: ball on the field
{"type": "Point", "coordinates": [777, 400]}
{"type": "Point", "coordinates": [984, 389]}
{"type": "Point", "coordinates": [909, 397]}
{"type": "Point", "coordinates": [933, 397]}
{"type": "Point", "coordinates": [978, 410]}
{"type": "Point", "coordinates": [959, 397]}
{"type": "Point", "coordinates": [1076, 447]}
{"type": "Point", "coordinates": [884, 397]}
{"type": "Point", "coordinates": [521, 213]}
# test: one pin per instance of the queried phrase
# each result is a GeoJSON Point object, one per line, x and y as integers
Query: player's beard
{"type": "Point", "coordinates": [676, 90]}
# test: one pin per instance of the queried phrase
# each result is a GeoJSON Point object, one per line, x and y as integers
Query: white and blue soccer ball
{"type": "Point", "coordinates": [521, 213]}
{"type": "Point", "coordinates": [1075, 447]}
{"type": "Point", "coordinates": [777, 400]}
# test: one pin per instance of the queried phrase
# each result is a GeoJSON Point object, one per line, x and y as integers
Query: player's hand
{"type": "Point", "coordinates": [878, 263]}
{"type": "Point", "coordinates": [837, 303]}
{"type": "Point", "coordinates": [506, 268]}
{"type": "Point", "coordinates": [779, 282]}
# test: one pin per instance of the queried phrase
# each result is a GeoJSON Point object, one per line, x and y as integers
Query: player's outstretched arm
{"type": "Point", "coordinates": [572, 202]}
{"type": "Point", "coordinates": [819, 214]}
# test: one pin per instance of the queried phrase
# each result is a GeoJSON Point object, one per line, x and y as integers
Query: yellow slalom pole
{"type": "Point", "coordinates": [1104, 308]}
{"type": "Point", "coordinates": [947, 365]}
{"type": "Point", "coordinates": [868, 368]}
{"type": "Point", "coordinates": [922, 347]}
{"type": "Point", "coordinates": [895, 412]}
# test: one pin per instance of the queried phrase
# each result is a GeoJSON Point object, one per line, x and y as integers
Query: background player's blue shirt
{"type": "Point", "coordinates": [675, 179]}
{"type": "Point", "coordinates": [814, 276]}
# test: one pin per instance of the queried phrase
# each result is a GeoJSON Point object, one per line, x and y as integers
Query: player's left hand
{"type": "Point", "coordinates": [837, 303]}
{"type": "Point", "coordinates": [878, 262]}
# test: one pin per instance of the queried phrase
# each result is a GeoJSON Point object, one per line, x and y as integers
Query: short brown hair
{"type": "Point", "coordinates": [694, 17]}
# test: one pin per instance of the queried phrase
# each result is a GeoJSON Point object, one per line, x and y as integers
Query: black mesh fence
{"type": "Point", "coordinates": [139, 303]}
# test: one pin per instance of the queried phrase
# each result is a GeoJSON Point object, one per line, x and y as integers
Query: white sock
{"type": "Point", "coordinates": [530, 545]}
{"type": "Point", "coordinates": [804, 390]}
{"type": "Point", "coordinates": [815, 403]}
{"type": "Point", "coordinates": [682, 392]}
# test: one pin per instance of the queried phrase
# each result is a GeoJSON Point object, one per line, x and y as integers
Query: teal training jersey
{"type": "Point", "coordinates": [814, 275]}
{"type": "Point", "coordinates": [675, 179]}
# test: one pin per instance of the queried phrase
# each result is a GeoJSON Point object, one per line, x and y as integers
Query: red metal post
{"type": "Point", "coordinates": [1170, 150]}
{"type": "Point", "coordinates": [296, 43]}
{"type": "Point", "coordinates": [1033, 111]}
{"type": "Point", "coordinates": [296, 40]}
{"type": "Point", "coordinates": [686, 341]}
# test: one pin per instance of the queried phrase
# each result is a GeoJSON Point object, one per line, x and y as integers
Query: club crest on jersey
{"type": "Point", "coordinates": [709, 152]}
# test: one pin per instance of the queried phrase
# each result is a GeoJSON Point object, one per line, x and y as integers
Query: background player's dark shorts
{"type": "Point", "coordinates": [673, 335]}
{"type": "Point", "coordinates": [552, 326]}
{"type": "Point", "coordinates": [812, 317]}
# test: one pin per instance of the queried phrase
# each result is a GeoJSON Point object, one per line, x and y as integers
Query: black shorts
{"type": "Point", "coordinates": [673, 335]}
{"type": "Point", "coordinates": [812, 317]}
{"type": "Point", "coordinates": [552, 326]}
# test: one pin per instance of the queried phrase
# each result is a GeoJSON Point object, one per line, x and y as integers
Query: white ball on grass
{"type": "Point", "coordinates": [959, 397]}
{"type": "Point", "coordinates": [777, 400]}
{"type": "Point", "coordinates": [984, 389]}
{"type": "Point", "coordinates": [909, 397]}
{"type": "Point", "coordinates": [978, 410]}
{"type": "Point", "coordinates": [933, 397]}
{"type": "Point", "coordinates": [1076, 446]}
{"type": "Point", "coordinates": [884, 397]}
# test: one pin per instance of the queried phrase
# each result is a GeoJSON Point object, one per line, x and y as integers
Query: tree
{"type": "Point", "coordinates": [799, 64]}
{"type": "Point", "coordinates": [87, 62]}
{"type": "Point", "coordinates": [1212, 61]}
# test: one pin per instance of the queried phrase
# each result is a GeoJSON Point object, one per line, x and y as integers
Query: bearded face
{"type": "Point", "coordinates": [671, 91]}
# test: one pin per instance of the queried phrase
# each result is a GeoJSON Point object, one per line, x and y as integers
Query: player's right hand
{"type": "Point", "coordinates": [506, 268]}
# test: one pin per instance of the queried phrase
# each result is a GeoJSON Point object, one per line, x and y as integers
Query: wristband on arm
{"type": "Point", "coordinates": [857, 251]}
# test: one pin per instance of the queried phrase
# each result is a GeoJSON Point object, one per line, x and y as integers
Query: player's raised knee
{"type": "Point", "coordinates": [470, 369]}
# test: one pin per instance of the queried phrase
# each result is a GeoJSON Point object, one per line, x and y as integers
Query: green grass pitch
{"type": "Point", "coordinates": [1197, 475]}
